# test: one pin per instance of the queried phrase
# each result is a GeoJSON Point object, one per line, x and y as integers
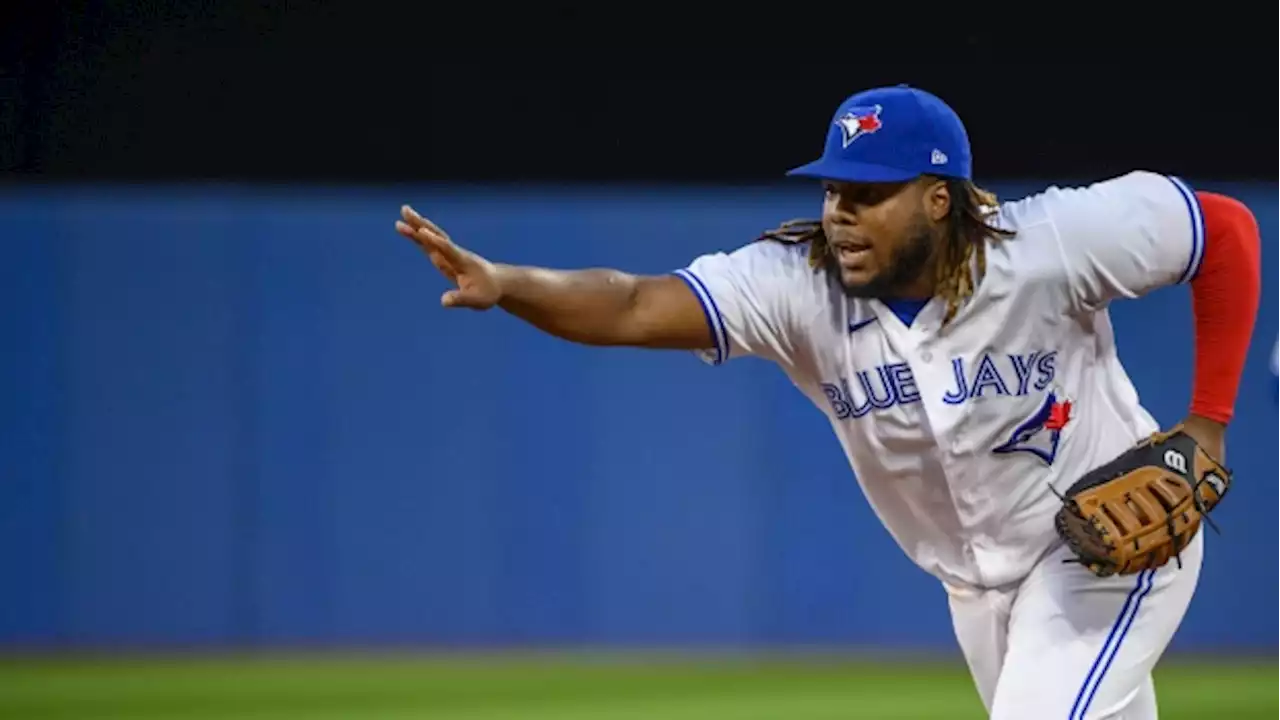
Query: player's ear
{"type": "Point", "coordinates": [937, 198]}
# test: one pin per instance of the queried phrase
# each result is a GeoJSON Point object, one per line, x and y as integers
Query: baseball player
{"type": "Point", "coordinates": [963, 353]}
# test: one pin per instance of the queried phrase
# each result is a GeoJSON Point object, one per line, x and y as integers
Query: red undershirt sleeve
{"type": "Point", "coordinates": [1225, 295]}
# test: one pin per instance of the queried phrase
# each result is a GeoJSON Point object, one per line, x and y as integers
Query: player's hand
{"type": "Point", "coordinates": [1208, 434]}
{"type": "Point", "coordinates": [477, 280]}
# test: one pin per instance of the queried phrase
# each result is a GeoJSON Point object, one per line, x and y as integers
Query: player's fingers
{"type": "Point", "coordinates": [459, 299]}
{"type": "Point", "coordinates": [410, 217]}
{"type": "Point", "coordinates": [410, 232]}
{"type": "Point", "coordinates": [415, 219]}
{"type": "Point", "coordinates": [406, 230]}
{"type": "Point", "coordinates": [431, 240]}
{"type": "Point", "coordinates": [442, 265]}
{"type": "Point", "coordinates": [433, 253]}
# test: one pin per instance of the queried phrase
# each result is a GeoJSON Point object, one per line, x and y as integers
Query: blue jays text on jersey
{"type": "Point", "coordinates": [991, 375]}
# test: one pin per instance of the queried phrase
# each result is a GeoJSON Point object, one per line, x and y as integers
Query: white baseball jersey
{"type": "Point", "coordinates": [956, 434]}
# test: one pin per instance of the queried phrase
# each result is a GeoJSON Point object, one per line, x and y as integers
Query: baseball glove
{"type": "Point", "coordinates": [1141, 509]}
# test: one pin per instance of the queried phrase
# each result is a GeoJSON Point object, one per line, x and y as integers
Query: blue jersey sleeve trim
{"type": "Point", "coordinates": [712, 312]}
{"type": "Point", "coordinates": [1197, 230]}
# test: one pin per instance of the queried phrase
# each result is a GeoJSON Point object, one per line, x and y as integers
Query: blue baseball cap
{"type": "Point", "coordinates": [892, 134]}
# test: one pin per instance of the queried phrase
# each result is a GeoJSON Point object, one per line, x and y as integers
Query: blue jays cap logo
{"type": "Point", "coordinates": [858, 121]}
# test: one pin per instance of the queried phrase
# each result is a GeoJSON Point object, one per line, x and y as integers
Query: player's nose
{"type": "Point", "coordinates": [842, 218]}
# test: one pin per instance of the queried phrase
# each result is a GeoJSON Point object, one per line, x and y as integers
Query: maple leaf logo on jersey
{"type": "Point", "coordinates": [859, 121]}
{"type": "Point", "coordinates": [1039, 434]}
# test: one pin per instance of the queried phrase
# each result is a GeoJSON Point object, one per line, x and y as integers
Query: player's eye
{"type": "Point", "coordinates": [828, 190]}
{"type": "Point", "coordinates": [873, 194]}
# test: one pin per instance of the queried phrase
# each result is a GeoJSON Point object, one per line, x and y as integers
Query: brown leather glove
{"type": "Point", "coordinates": [1140, 510]}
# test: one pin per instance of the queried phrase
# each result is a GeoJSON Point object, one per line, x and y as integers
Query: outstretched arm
{"type": "Point", "coordinates": [606, 307]}
{"type": "Point", "coordinates": [591, 307]}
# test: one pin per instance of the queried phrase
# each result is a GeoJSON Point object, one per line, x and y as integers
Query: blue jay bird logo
{"type": "Point", "coordinates": [1039, 434]}
{"type": "Point", "coordinates": [859, 121]}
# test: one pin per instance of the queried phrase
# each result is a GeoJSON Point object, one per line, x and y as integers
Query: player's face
{"type": "Point", "coordinates": [881, 236]}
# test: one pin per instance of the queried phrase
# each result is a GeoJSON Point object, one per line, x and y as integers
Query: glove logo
{"type": "Point", "coordinates": [1217, 483]}
{"type": "Point", "coordinates": [1039, 434]}
{"type": "Point", "coordinates": [1175, 461]}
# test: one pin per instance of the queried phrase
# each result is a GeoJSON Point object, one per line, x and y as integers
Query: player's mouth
{"type": "Point", "coordinates": [851, 252]}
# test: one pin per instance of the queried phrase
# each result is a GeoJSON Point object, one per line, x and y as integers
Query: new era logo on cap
{"type": "Point", "coordinates": [892, 134]}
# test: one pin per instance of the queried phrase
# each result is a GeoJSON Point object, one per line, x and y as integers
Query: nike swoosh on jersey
{"type": "Point", "coordinates": [856, 326]}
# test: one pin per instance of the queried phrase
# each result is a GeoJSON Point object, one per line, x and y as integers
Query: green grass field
{"type": "Point", "coordinates": [533, 687]}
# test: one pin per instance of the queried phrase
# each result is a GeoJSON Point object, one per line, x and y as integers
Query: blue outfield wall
{"type": "Point", "coordinates": [237, 415]}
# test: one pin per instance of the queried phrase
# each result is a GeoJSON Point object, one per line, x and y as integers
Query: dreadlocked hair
{"type": "Point", "coordinates": [961, 257]}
